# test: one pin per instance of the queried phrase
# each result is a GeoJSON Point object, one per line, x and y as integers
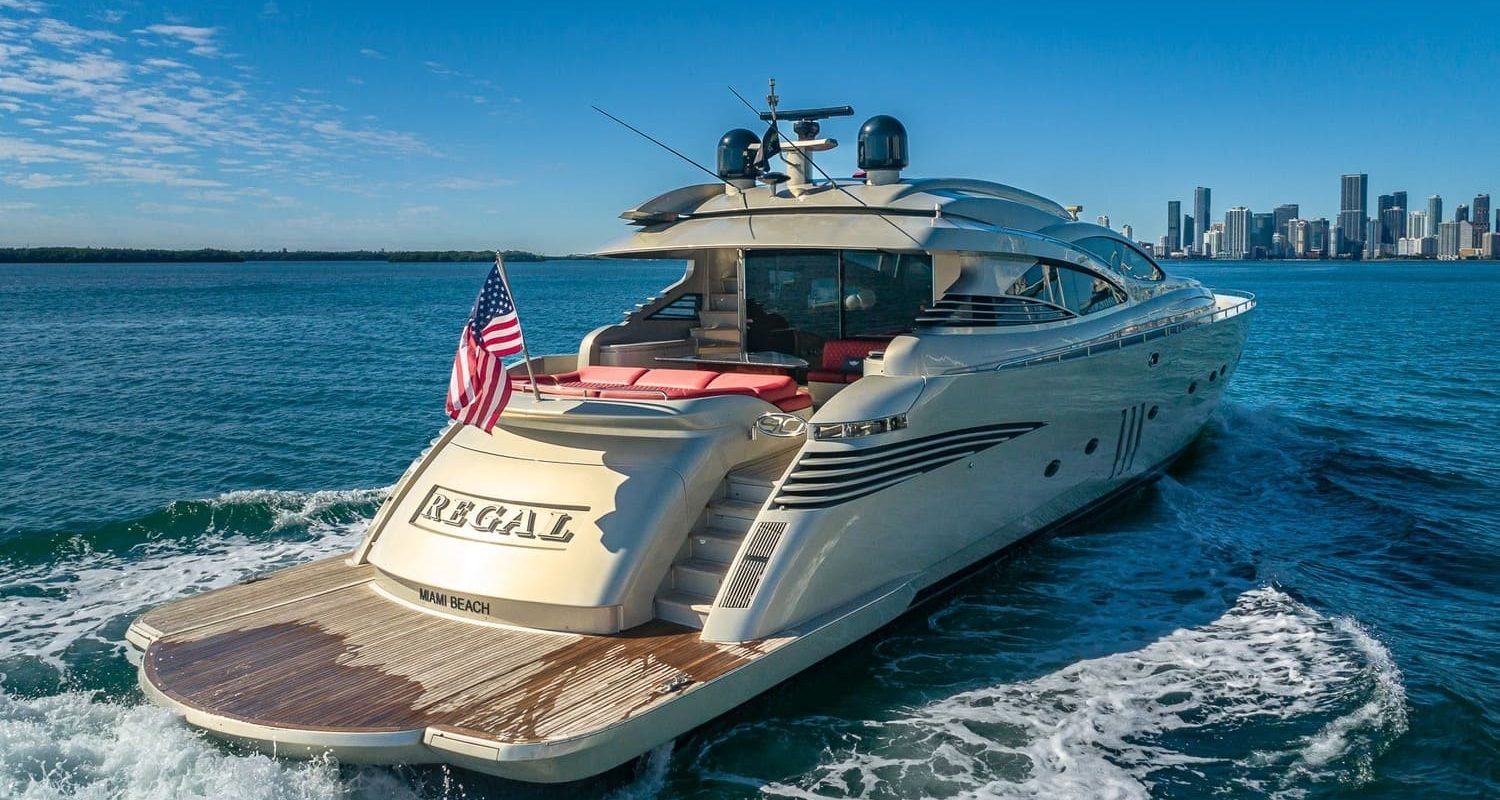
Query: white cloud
{"type": "Point", "coordinates": [418, 211]}
{"type": "Point", "coordinates": [27, 6]}
{"type": "Point", "coordinates": [32, 122]}
{"type": "Point", "coordinates": [369, 52]}
{"type": "Point", "coordinates": [38, 180]}
{"type": "Point", "coordinates": [16, 206]}
{"type": "Point", "coordinates": [201, 39]}
{"type": "Point", "coordinates": [389, 140]}
{"type": "Point", "coordinates": [62, 34]}
{"type": "Point", "coordinates": [464, 184]}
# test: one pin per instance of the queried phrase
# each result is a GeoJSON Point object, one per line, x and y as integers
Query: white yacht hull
{"type": "Point", "coordinates": [908, 540]}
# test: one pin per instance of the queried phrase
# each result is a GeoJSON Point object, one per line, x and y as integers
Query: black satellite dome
{"type": "Point", "coordinates": [882, 143]}
{"type": "Point", "coordinates": [736, 162]}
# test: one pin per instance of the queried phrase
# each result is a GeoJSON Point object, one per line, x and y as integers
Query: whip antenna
{"type": "Point", "coordinates": [648, 137]}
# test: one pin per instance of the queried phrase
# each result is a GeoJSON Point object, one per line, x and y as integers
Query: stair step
{"type": "Point", "coordinates": [699, 576]}
{"type": "Point", "coordinates": [748, 491]}
{"type": "Point", "coordinates": [684, 608]}
{"type": "Point", "coordinates": [720, 319]}
{"type": "Point", "coordinates": [718, 348]}
{"type": "Point", "coordinates": [716, 545]}
{"type": "Point", "coordinates": [726, 333]}
{"type": "Point", "coordinates": [732, 515]}
{"type": "Point", "coordinates": [724, 302]}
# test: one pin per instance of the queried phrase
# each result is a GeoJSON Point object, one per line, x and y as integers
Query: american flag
{"type": "Point", "coordinates": [479, 389]}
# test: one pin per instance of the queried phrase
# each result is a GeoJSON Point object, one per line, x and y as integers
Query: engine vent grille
{"type": "Point", "coordinates": [989, 311]}
{"type": "Point", "coordinates": [747, 576]}
{"type": "Point", "coordinates": [823, 478]}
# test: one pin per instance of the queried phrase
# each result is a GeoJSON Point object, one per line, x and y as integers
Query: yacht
{"type": "Point", "coordinates": [860, 391]}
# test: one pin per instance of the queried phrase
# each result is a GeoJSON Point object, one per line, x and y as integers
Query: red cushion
{"type": "Point", "coordinates": [848, 355]}
{"type": "Point", "coordinates": [676, 378]}
{"type": "Point", "coordinates": [798, 401]}
{"type": "Point", "coordinates": [767, 387]}
{"type": "Point", "coordinates": [617, 376]}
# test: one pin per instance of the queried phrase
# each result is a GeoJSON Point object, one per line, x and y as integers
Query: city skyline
{"type": "Point", "coordinates": [1395, 229]}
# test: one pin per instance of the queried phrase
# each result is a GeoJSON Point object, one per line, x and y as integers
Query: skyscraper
{"type": "Point", "coordinates": [1202, 212]}
{"type": "Point", "coordinates": [1174, 224]}
{"type": "Point", "coordinates": [1461, 214]}
{"type": "Point", "coordinates": [1481, 217]}
{"type": "Point", "coordinates": [1416, 224]}
{"type": "Point", "coordinates": [1392, 216]}
{"type": "Point", "coordinates": [1434, 214]}
{"type": "Point", "coordinates": [1354, 206]}
{"type": "Point", "coordinates": [1319, 237]}
{"type": "Point", "coordinates": [1262, 229]}
{"type": "Point", "coordinates": [1102, 220]}
{"type": "Point", "coordinates": [1284, 214]}
{"type": "Point", "coordinates": [1237, 232]}
{"type": "Point", "coordinates": [1189, 232]}
{"type": "Point", "coordinates": [1128, 232]}
{"type": "Point", "coordinates": [1448, 240]}
{"type": "Point", "coordinates": [1400, 199]}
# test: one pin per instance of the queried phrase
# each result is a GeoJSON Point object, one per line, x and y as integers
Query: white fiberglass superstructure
{"type": "Point", "coordinates": [859, 391]}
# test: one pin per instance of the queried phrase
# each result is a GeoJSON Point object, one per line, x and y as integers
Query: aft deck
{"type": "Point", "coordinates": [322, 648]}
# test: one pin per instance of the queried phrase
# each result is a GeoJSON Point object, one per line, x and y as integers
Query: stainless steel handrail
{"type": "Point", "coordinates": [1118, 341]}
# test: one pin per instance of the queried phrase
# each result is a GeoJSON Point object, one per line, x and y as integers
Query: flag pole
{"type": "Point", "coordinates": [525, 353]}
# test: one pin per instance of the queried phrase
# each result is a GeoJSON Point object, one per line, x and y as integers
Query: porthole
{"type": "Point", "coordinates": [1154, 359]}
{"type": "Point", "coordinates": [1192, 387]}
{"type": "Point", "coordinates": [1152, 413]}
{"type": "Point", "coordinates": [1213, 376]}
{"type": "Point", "coordinates": [1089, 448]}
{"type": "Point", "coordinates": [1052, 468]}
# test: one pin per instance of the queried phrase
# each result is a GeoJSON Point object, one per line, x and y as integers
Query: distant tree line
{"type": "Point", "coordinates": [122, 255]}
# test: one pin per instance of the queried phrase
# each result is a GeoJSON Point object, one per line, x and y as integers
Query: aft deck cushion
{"type": "Point", "coordinates": [796, 402]}
{"type": "Point", "coordinates": [844, 360]}
{"type": "Point", "coordinates": [767, 387]}
{"type": "Point", "coordinates": [676, 378]}
{"type": "Point", "coordinates": [610, 376]}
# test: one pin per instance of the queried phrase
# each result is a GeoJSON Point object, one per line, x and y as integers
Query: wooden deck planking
{"type": "Point", "coordinates": [350, 658]}
{"type": "Point", "coordinates": [257, 593]}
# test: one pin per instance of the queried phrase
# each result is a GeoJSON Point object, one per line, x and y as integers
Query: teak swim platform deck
{"type": "Point", "coordinates": [321, 649]}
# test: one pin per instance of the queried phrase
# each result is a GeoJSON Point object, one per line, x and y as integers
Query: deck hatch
{"type": "Point", "coordinates": [823, 478]}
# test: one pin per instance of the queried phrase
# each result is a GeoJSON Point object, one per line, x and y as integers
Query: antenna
{"type": "Point", "coordinates": [772, 99]}
{"type": "Point", "coordinates": [648, 137]}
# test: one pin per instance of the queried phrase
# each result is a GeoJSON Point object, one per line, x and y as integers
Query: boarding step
{"type": "Point", "coordinates": [699, 576]}
{"type": "Point", "coordinates": [732, 515]}
{"type": "Point", "coordinates": [715, 544]}
{"type": "Point", "coordinates": [728, 301]}
{"type": "Point", "coordinates": [725, 333]}
{"type": "Point", "coordinates": [684, 608]}
{"type": "Point", "coordinates": [720, 319]}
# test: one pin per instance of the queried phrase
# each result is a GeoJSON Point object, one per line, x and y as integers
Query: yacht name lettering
{"type": "Point", "coordinates": [488, 516]}
{"type": "Point", "coordinates": [453, 601]}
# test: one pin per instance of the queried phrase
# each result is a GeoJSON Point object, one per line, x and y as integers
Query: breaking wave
{"type": "Point", "coordinates": [87, 592]}
{"type": "Point", "coordinates": [1271, 697]}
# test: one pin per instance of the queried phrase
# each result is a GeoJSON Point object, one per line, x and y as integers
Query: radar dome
{"type": "Point", "coordinates": [882, 144]}
{"type": "Point", "coordinates": [736, 161]}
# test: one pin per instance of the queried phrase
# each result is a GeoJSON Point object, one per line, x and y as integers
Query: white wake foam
{"type": "Point", "coordinates": [74, 745]}
{"type": "Point", "coordinates": [49, 607]}
{"type": "Point", "coordinates": [1199, 704]}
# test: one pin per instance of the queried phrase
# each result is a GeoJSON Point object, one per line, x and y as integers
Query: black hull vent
{"type": "Point", "coordinates": [823, 478]}
{"type": "Point", "coordinates": [747, 577]}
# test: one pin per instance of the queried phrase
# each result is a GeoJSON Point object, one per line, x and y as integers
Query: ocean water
{"type": "Point", "coordinates": [1308, 605]}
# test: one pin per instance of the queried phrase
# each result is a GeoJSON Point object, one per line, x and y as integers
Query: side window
{"type": "Point", "coordinates": [1122, 257]}
{"type": "Point", "coordinates": [1040, 282]}
{"type": "Point", "coordinates": [1085, 293]}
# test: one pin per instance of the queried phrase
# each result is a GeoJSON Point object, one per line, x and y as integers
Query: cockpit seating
{"type": "Point", "coordinates": [634, 383]}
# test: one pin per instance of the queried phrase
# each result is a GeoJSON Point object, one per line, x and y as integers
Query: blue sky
{"type": "Point", "coordinates": [432, 125]}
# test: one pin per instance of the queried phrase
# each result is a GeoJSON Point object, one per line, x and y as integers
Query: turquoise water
{"type": "Point", "coordinates": [1306, 606]}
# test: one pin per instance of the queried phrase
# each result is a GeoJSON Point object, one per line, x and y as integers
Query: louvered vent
{"type": "Point", "coordinates": [823, 478]}
{"type": "Point", "coordinates": [747, 576]}
{"type": "Point", "coordinates": [989, 311]}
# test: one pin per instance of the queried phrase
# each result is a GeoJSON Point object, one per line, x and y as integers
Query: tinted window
{"type": "Point", "coordinates": [1078, 291]}
{"type": "Point", "coordinates": [1122, 257]}
{"type": "Point", "coordinates": [884, 292]}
